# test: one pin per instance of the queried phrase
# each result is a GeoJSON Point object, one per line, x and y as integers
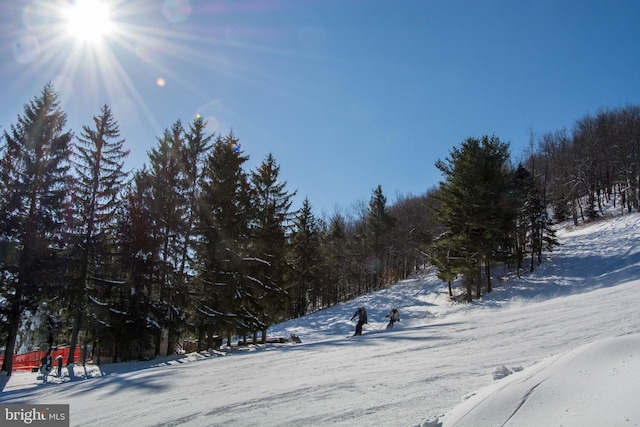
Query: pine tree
{"type": "Point", "coordinates": [522, 186]}
{"type": "Point", "coordinates": [561, 211]}
{"type": "Point", "coordinates": [306, 259]}
{"type": "Point", "coordinates": [271, 217]}
{"type": "Point", "coordinates": [224, 217]}
{"type": "Point", "coordinates": [379, 226]}
{"type": "Point", "coordinates": [169, 208]}
{"type": "Point", "coordinates": [533, 232]}
{"type": "Point", "coordinates": [473, 209]}
{"type": "Point", "coordinates": [97, 188]}
{"type": "Point", "coordinates": [34, 172]}
{"type": "Point", "coordinates": [447, 256]}
{"type": "Point", "coordinates": [194, 150]}
{"type": "Point", "coordinates": [137, 238]}
{"type": "Point", "coordinates": [542, 235]}
{"type": "Point", "coordinates": [192, 160]}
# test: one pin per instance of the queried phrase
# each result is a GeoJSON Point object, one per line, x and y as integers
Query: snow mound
{"type": "Point", "coordinates": [503, 371]}
{"type": "Point", "coordinates": [595, 384]}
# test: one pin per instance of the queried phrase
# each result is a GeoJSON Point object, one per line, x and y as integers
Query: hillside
{"type": "Point", "coordinates": [572, 325]}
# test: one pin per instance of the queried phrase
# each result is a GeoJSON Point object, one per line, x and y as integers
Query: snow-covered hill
{"type": "Point", "coordinates": [558, 347]}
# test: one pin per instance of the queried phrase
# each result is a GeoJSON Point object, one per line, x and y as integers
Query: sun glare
{"type": "Point", "coordinates": [89, 20]}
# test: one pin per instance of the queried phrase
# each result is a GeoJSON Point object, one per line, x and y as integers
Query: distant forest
{"type": "Point", "coordinates": [194, 245]}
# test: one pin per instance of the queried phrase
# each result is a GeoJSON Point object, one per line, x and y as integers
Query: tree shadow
{"type": "Point", "coordinates": [111, 383]}
{"type": "Point", "coordinates": [4, 379]}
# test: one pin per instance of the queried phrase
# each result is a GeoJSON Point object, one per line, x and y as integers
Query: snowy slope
{"type": "Point", "coordinates": [572, 327]}
{"type": "Point", "coordinates": [594, 385]}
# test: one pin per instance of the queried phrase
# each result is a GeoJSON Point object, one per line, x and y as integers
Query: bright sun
{"type": "Point", "coordinates": [88, 20]}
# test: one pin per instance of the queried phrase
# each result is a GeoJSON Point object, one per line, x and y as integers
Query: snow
{"type": "Point", "coordinates": [559, 347]}
{"type": "Point", "coordinates": [575, 388]}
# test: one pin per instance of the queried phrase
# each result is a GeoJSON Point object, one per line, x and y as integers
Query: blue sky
{"type": "Point", "coordinates": [345, 94]}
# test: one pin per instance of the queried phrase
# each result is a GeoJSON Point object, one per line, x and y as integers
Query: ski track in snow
{"type": "Point", "coordinates": [437, 359]}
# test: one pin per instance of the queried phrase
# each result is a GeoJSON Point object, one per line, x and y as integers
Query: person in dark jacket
{"type": "Point", "coordinates": [362, 319]}
{"type": "Point", "coordinates": [45, 368]}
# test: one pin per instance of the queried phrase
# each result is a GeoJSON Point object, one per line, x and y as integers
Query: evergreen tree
{"type": "Point", "coordinates": [542, 234]}
{"type": "Point", "coordinates": [137, 238]}
{"type": "Point", "coordinates": [306, 259]}
{"type": "Point", "coordinates": [379, 225]}
{"type": "Point", "coordinates": [522, 187]}
{"type": "Point", "coordinates": [97, 188]}
{"type": "Point", "coordinates": [197, 145]}
{"type": "Point", "coordinates": [533, 231]}
{"type": "Point", "coordinates": [224, 218]}
{"type": "Point", "coordinates": [34, 172]}
{"type": "Point", "coordinates": [169, 208]}
{"type": "Point", "coordinates": [447, 255]}
{"type": "Point", "coordinates": [271, 216]}
{"type": "Point", "coordinates": [192, 159]}
{"type": "Point", "coordinates": [561, 211]}
{"type": "Point", "coordinates": [473, 208]}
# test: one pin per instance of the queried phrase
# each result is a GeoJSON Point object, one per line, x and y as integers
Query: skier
{"type": "Point", "coordinates": [54, 326]}
{"type": "Point", "coordinates": [46, 367]}
{"type": "Point", "coordinates": [394, 316]}
{"type": "Point", "coordinates": [362, 319]}
{"type": "Point", "coordinates": [59, 363]}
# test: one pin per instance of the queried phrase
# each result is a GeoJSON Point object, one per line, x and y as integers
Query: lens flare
{"type": "Point", "coordinates": [176, 10]}
{"type": "Point", "coordinates": [26, 49]}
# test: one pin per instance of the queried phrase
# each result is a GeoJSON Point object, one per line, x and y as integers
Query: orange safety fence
{"type": "Point", "coordinates": [33, 360]}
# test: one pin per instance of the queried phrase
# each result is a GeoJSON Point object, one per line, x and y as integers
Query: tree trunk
{"type": "Point", "coordinates": [14, 325]}
{"type": "Point", "coordinates": [25, 281]}
{"type": "Point", "coordinates": [158, 342]}
{"type": "Point", "coordinates": [533, 257]}
{"type": "Point", "coordinates": [488, 273]}
{"type": "Point", "coordinates": [171, 340]}
{"type": "Point", "coordinates": [75, 331]}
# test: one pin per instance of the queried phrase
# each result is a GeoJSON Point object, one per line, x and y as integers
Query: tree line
{"type": "Point", "coordinates": [193, 244]}
{"type": "Point", "coordinates": [493, 212]}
